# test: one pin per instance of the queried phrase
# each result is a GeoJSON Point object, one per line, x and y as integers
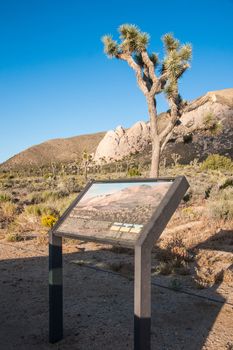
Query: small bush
{"type": "Point", "coordinates": [164, 268]}
{"type": "Point", "coordinates": [70, 185]}
{"type": "Point", "coordinates": [188, 212]}
{"type": "Point", "coordinates": [188, 196]}
{"type": "Point", "coordinates": [35, 210]}
{"type": "Point", "coordinates": [217, 162]}
{"type": "Point", "coordinates": [9, 209]}
{"type": "Point", "coordinates": [220, 206]}
{"type": "Point", "coordinates": [205, 278]}
{"type": "Point", "coordinates": [48, 220]}
{"type": "Point", "coordinates": [175, 285]}
{"type": "Point", "coordinates": [38, 210]}
{"type": "Point", "coordinates": [4, 197]}
{"type": "Point", "coordinates": [133, 172]}
{"type": "Point", "coordinates": [14, 237]}
{"type": "Point", "coordinates": [212, 123]}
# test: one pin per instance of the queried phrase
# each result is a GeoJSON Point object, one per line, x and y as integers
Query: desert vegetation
{"type": "Point", "coordinates": [33, 200]}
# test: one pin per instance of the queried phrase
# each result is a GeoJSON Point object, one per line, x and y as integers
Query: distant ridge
{"type": "Point", "coordinates": [56, 150]}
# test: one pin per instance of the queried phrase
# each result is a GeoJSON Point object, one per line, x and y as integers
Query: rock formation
{"type": "Point", "coordinates": [120, 142]}
{"type": "Point", "coordinates": [206, 125]}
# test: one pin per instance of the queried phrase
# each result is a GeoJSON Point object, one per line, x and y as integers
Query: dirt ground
{"type": "Point", "coordinates": [98, 305]}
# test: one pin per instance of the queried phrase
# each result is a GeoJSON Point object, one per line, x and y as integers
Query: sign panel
{"type": "Point", "coordinates": [114, 211]}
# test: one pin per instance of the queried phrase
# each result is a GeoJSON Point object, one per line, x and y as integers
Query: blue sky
{"type": "Point", "coordinates": [55, 80]}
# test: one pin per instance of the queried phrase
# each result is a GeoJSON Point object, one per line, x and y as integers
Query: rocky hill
{"type": "Point", "coordinates": [57, 150]}
{"type": "Point", "coordinates": [206, 127]}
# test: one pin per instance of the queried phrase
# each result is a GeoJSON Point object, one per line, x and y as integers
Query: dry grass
{"type": "Point", "coordinates": [9, 210]}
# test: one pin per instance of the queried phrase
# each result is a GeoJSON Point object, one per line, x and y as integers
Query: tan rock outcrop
{"type": "Point", "coordinates": [120, 142]}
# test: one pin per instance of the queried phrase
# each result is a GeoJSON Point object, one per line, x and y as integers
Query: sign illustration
{"type": "Point", "coordinates": [116, 211]}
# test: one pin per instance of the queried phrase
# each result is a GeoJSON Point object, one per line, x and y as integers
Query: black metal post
{"type": "Point", "coordinates": [142, 299]}
{"type": "Point", "coordinates": [55, 289]}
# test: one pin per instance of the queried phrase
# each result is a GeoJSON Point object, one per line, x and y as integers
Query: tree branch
{"type": "Point", "coordinates": [174, 117]}
{"type": "Point", "coordinates": [167, 138]}
{"type": "Point", "coordinates": [150, 65]}
{"type": "Point", "coordinates": [128, 58]}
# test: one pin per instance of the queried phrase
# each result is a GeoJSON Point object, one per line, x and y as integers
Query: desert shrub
{"type": "Point", "coordinates": [188, 196]}
{"type": "Point", "coordinates": [217, 162]}
{"type": "Point", "coordinates": [188, 212]}
{"type": "Point", "coordinates": [176, 249]}
{"type": "Point", "coordinates": [175, 157]}
{"type": "Point", "coordinates": [4, 197]}
{"type": "Point", "coordinates": [133, 172]}
{"type": "Point", "coordinates": [212, 123]}
{"type": "Point", "coordinates": [226, 183]}
{"type": "Point", "coordinates": [164, 268]}
{"type": "Point", "coordinates": [175, 285]}
{"type": "Point", "coordinates": [39, 210]}
{"type": "Point", "coordinates": [205, 278]}
{"type": "Point", "coordinates": [8, 184]}
{"type": "Point", "coordinates": [206, 272]}
{"type": "Point", "coordinates": [220, 206]}
{"type": "Point", "coordinates": [174, 257]}
{"type": "Point", "coordinates": [14, 237]}
{"type": "Point", "coordinates": [70, 185]}
{"type": "Point", "coordinates": [61, 204]}
{"type": "Point", "coordinates": [54, 195]}
{"type": "Point", "coordinates": [220, 210]}
{"type": "Point", "coordinates": [9, 209]}
{"type": "Point", "coordinates": [35, 210]}
{"type": "Point", "coordinates": [42, 197]}
{"type": "Point", "coordinates": [35, 198]}
{"type": "Point", "coordinates": [48, 220]}
{"type": "Point", "coordinates": [48, 210]}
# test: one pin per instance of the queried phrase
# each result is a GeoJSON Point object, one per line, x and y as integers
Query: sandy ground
{"type": "Point", "coordinates": [98, 306]}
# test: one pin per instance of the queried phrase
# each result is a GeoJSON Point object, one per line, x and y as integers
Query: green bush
{"type": "Point", "coordinates": [212, 123]}
{"type": "Point", "coordinates": [38, 210]}
{"type": "Point", "coordinates": [217, 162]}
{"type": "Point", "coordinates": [221, 206]}
{"type": "Point", "coordinates": [133, 172]}
{"type": "Point", "coordinates": [41, 197]}
{"type": "Point", "coordinates": [14, 237]}
{"type": "Point", "coordinates": [35, 210]}
{"type": "Point", "coordinates": [4, 197]}
{"type": "Point", "coordinates": [48, 220]}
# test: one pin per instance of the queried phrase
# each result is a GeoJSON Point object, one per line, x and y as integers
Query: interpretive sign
{"type": "Point", "coordinates": [129, 213]}
{"type": "Point", "coordinates": [114, 212]}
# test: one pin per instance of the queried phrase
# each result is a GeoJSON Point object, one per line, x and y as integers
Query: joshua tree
{"type": "Point", "coordinates": [153, 77]}
{"type": "Point", "coordinates": [86, 160]}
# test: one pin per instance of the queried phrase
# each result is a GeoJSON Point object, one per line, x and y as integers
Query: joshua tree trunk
{"type": "Point", "coordinates": [154, 172]}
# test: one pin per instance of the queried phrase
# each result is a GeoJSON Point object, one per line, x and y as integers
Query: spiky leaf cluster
{"type": "Point", "coordinates": [132, 39]}
{"type": "Point", "coordinates": [110, 46]}
{"type": "Point", "coordinates": [175, 63]}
